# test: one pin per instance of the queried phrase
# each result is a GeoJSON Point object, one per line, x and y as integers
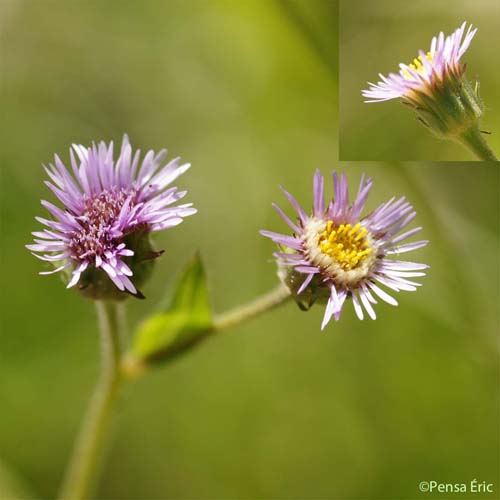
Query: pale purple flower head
{"type": "Point", "coordinates": [335, 253]}
{"type": "Point", "coordinates": [431, 69]}
{"type": "Point", "coordinates": [105, 204]}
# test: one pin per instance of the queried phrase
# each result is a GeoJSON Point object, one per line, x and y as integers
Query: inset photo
{"type": "Point", "coordinates": [418, 81]}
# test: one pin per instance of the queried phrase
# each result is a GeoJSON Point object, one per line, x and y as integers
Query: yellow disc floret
{"type": "Point", "coordinates": [346, 244]}
{"type": "Point", "coordinates": [418, 65]}
{"type": "Point", "coordinates": [344, 253]}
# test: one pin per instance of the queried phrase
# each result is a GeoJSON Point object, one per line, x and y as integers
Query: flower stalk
{"type": "Point", "coordinates": [134, 366]}
{"type": "Point", "coordinates": [267, 302]}
{"type": "Point", "coordinates": [474, 140]}
{"type": "Point", "coordinates": [82, 471]}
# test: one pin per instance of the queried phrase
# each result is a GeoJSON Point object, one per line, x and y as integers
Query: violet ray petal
{"type": "Point", "coordinates": [318, 193]}
{"type": "Point", "coordinates": [288, 241]}
{"type": "Point", "coordinates": [300, 211]}
{"type": "Point", "coordinates": [305, 283]}
{"type": "Point", "coordinates": [282, 214]}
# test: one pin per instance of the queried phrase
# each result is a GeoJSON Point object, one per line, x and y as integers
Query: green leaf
{"type": "Point", "coordinates": [187, 320]}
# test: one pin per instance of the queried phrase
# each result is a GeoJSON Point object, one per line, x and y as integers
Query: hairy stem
{"type": "Point", "coordinates": [262, 304]}
{"type": "Point", "coordinates": [83, 468]}
{"type": "Point", "coordinates": [87, 455]}
{"type": "Point", "coordinates": [474, 140]}
{"type": "Point", "coordinates": [133, 367]}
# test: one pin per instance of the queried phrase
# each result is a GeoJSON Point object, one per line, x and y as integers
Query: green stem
{"type": "Point", "coordinates": [267, 302]}
{"type": "Point", "coordinates": [87, 455]}
{"type": "Point", "coordinates": [475, 141]}
{"type": "Point", "coordinates": [133, 367]}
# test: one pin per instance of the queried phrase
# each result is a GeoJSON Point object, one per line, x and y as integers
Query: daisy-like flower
{"type": "Point", "coordinates": [100, 238]}
{"type": "Point", "coordinates": [429, 69]}
{"type": "Point", "coordinates": [335, 254]}
{"type": "Point", "coordinates": [435, 86]}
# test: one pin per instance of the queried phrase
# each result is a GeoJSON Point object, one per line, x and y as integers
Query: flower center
{"type": "Point", "coordinates": [99, 230]}
{"type": "Point", "coordinates": [417, 65]}
{"type": "Point", "coordinates": [344, 253]}
{"type": "Point", "coordinates": [346, 244]}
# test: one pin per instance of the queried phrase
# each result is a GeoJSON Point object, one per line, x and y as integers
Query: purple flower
{"type": "Point", "coordinates": [431, 69]}
{"type": "Point", "coordinates": [335, 253]}
{"type": "Point", "coordinates": [106, 203]}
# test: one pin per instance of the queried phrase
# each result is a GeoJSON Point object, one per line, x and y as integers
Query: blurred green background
{"type": "Point", "coordinates": [245, 91]}
{"type": "Point", "coordinates": [374, 38]}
